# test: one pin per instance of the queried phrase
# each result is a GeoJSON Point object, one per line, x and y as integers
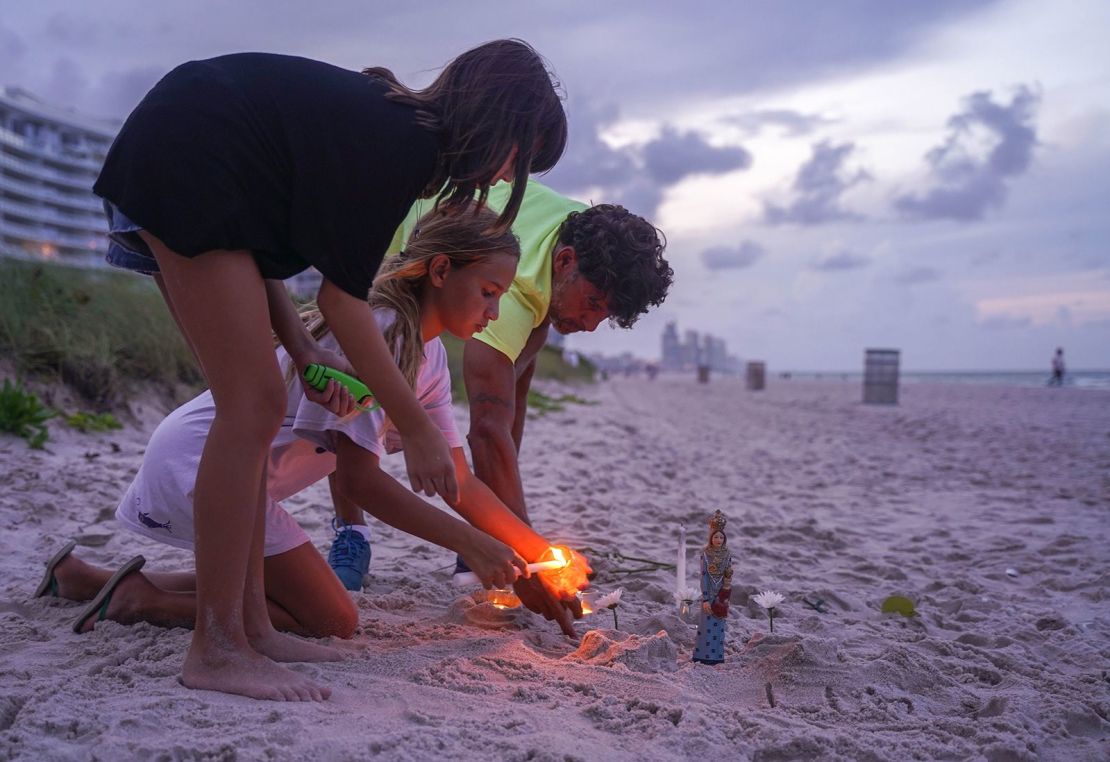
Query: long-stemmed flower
{"type": "Point", "coordinates": [769, 600]}
{"type": "Point", "coordinates": [610, 602]}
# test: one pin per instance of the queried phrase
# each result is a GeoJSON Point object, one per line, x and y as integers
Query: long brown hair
{"type": "Point", "coordinates": [499, 95]}
{"type": "Point", "coordinates": [464, 238]}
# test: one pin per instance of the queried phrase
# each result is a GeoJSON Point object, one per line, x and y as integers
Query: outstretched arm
{"type": "Point", "coordinates": [427, 456]}
{"type": "Point", "coordinates": [491, 388]}
{"type": "Point", "coordinates": [360, 479]}
{"type": "Point", "coordinates": [478, 505]}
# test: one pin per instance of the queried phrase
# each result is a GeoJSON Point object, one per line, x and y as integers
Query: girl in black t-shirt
{"type": "Point", "coordinates": [239, 170]}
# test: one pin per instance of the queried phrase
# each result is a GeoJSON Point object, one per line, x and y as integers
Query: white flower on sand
{"type": "Point", "coordinates": [769, 599]}
{"type": "Point", "coordinates": [610, 600]}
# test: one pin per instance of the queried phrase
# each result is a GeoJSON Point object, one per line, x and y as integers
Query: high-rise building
{"type": "Point", "coordinates": [49, 159]}
{"type": "Point", "coordinates": [672, 351]}
{"type": "Point", "coordinates": [691, 349]}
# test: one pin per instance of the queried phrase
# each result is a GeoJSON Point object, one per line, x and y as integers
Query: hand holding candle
{"type": "Point", "coordinates": [563, 569]}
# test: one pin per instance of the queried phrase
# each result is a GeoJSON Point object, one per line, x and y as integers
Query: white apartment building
{"type": "Point", "coordinates": [49, 159]}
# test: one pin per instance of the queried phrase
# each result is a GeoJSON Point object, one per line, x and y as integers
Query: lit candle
{"type": "Point", "coordinates": [560, 561]}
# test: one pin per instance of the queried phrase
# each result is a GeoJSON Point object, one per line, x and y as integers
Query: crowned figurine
{"type": "Point", "coordinates": [716, 589]}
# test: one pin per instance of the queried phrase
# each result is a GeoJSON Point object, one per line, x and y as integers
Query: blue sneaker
{"type": "Point", "coordinates": [460, 566]}
{"type": "Point", "coordinates": [349, 556]}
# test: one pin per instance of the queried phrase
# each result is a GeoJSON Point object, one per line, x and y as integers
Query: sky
{"type": "Point", "coordinates": [932, 177]}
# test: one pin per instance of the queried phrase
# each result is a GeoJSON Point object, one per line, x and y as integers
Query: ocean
{"type": "Point", "coordinates": [1080, 379]}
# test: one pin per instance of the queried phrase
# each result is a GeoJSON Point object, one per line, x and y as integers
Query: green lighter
{"type": "Point", "coordinates": [317, 376]}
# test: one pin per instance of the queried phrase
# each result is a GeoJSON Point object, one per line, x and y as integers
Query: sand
{"type": "Point", "coordinates": [934, 499]}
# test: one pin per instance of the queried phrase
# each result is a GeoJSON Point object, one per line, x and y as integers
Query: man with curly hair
{"type": "Point", "coordinates": [579, 265]}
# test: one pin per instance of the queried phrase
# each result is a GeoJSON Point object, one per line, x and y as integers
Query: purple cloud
{"type": "Point", "coordinates": [840, 261]}
{"type": "Point", "coordinates": [792, 123]}
{"type": "Point", "coordinates": [818, 187]}
{"type": "Point", "coordinates": [729, 258]}
{"type": "Point", "coordinates": [966, 184]}
{"type": "Point", "coordinates": [675, 155]}
{"type": "Point", "coordinates": [634, 176]}
{"type": "Point", "coordinates": [917, 275]}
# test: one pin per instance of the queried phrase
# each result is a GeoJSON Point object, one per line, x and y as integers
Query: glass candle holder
{"type": "Point", "coordinates": [499, 598]}
{"type": "Point", "coordinates": [588, 599]}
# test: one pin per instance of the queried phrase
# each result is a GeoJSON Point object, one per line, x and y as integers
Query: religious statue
{"type": "Point", "coordinates": [716, 590]}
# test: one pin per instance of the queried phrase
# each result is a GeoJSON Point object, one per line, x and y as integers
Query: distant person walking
{"type": "Point", "coordinates": [1057, 368]}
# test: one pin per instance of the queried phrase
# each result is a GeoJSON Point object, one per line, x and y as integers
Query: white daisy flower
{"type": "Point", "coordinates": [609, 600]}
{"type": "Point", "coordinates": [769, 599]}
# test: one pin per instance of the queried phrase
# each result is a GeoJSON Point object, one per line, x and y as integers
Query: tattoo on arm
{"type": "Point", "coordinates": [492, 399]}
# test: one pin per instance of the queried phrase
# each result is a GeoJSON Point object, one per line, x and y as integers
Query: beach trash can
{"type": "Point", "coordinates": [703, 374]}
{"type": "Point", "coordinates": [880, 376]}
{"type": "Point", "coordinates": [755, 376]}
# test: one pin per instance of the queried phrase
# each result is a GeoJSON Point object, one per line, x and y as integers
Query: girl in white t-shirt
{"type": "Point", "coordinates": [450, 278]}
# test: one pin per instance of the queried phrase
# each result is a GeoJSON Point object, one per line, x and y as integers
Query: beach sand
{"type": "Point", "coordinates": [935, 499]}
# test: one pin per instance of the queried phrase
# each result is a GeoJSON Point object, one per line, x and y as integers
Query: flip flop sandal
{"type": "Point", "coordinates": [49, 582]}
{"type": "Point", "coordinates": [98, 606]}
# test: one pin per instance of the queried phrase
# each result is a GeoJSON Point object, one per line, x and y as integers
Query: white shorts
{"type": "Point", "coordinates": [159, 502]}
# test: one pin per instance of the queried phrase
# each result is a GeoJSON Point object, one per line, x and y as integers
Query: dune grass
{"type": "Point", "coordinates": [99, 332]}
{"type": "Point", "coordinates": [549, 365]}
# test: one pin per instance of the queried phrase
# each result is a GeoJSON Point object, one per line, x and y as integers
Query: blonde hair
{"type": "Point", "coordinates": [465, 238]}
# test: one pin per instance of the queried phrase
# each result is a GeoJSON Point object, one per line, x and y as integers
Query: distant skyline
{"type": "Point", "coordinates": [830, 176]}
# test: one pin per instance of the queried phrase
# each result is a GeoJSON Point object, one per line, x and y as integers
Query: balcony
{"type": "Point", "coordinates": [86, 222]}
{"type": "Point", "coordinates": [44, 235]}
{"type": "Point", "coordinates": [38, 149]}
{"type": "Point", "coordinates": [47, 174]}
{"type": "Point", "coordinates": [85, 201]}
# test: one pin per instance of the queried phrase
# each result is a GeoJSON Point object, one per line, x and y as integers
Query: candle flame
{"type": "Point", "coordinates": [569, 576]}
{"type": "Point", "coordinates": [557, 554]}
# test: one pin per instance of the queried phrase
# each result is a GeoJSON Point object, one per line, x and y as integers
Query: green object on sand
{"type": "Point", "coordinates": [317, 376]}
{"type": "Point", "coordinates": [899, 604]}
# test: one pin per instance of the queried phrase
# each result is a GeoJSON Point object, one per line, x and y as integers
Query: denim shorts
{"type": "Point", "coordinates": [126, 248]}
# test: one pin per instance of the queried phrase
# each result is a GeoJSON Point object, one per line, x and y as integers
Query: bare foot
{"type": "Point", "coordinates": [245, 672]}
{"type": "Point", "coordinates": [78, 580]}
{"type": "Point", "coordinates": [283, 647]}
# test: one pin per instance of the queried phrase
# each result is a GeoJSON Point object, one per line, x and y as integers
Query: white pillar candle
{"type": "Point", "coordinates": [470, 578]}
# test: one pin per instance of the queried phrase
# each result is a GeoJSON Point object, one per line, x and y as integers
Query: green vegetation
{"type": "Point", "coordinates": [100, 331]}
{"type": "Point", "coordinates": [86, 422]}
{"type": "Point", "coordinates": [97, 331]}
{"type": "Point", "coordinates": [540, 404]}
{"type": "Point", "coordinates": [899, 604]}
{"type": "Point", "coordinates": [22, 414]}
{"type": "Point", "coordinates": [549, 365]}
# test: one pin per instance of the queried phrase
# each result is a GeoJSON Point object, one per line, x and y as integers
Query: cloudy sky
{"type": "Point", "coordinates": [830, 175]}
